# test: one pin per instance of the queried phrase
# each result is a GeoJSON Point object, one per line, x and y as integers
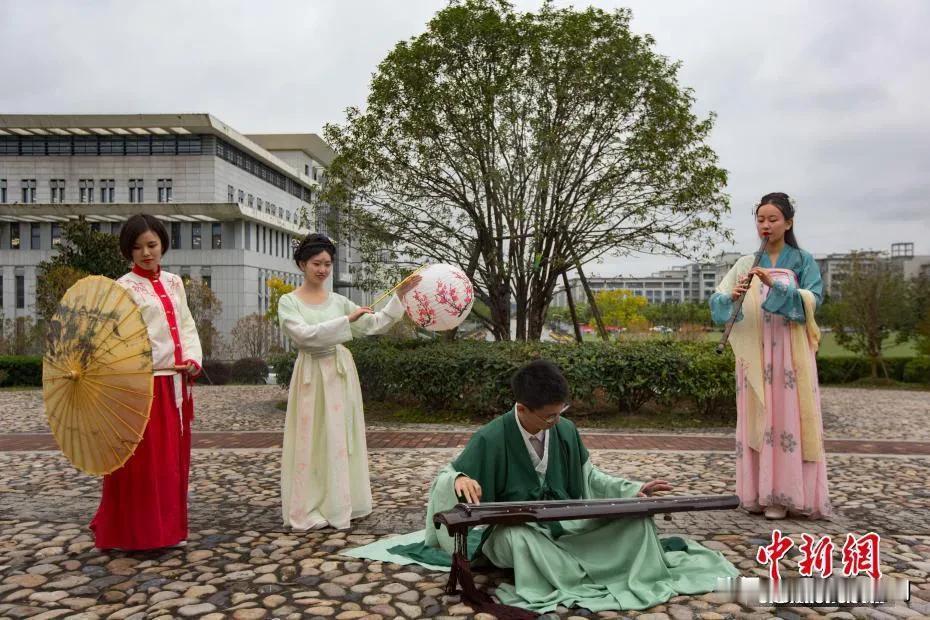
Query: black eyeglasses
{"type": "Point", "coordinates": [552, 417]}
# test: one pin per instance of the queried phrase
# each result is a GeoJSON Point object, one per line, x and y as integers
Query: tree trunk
{"type": "Point", "coordinates": [571, 307]}
{"type": "Point", "coordinates": [521, 314]}
{"type": "Point", "coordinates": [500, 311]}
{"type": "Point", "coordinates": [601, 330]}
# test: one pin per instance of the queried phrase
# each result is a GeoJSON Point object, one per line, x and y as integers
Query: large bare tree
{"type": "Point", "coordinates": [519, 145]}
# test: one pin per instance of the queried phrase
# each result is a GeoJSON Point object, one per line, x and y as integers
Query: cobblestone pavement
{"type": "Point", "coordinates": [241, 563]}
{"type": "Point", "coordinates": [848, 413]}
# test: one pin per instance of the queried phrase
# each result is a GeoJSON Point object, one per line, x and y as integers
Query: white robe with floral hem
{"type": "Point", "coordinates": [324, 461]}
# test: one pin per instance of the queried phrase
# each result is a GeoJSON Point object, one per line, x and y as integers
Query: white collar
{"type": "Point", "coordinates": [541, 435]}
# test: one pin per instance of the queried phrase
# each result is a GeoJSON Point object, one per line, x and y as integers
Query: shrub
{"type": "Point", "coordinates": [217, 372]}
{"type": "Point", "coordinates": [849, 369]}
{"type": "Point", "coordinates": [917, 370]}
{"type": "Point", "coordinates": [20, 370]}
{"type": "Point", "coordinates": [249, 370]}
{"type": "Point", "coordinates": [283, 366]}
{"type": "Point", "coordinates": [475, 376]}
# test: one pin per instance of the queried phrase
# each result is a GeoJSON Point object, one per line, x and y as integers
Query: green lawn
{"type": "Point", "coordinates": [830, 348]}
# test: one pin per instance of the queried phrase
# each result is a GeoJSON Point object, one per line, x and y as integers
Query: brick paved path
{"type": "Point", "coordinates": [15, 442]}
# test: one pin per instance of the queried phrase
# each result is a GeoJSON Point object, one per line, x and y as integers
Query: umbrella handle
{"type": "Point", "coordinates": [183, 367]}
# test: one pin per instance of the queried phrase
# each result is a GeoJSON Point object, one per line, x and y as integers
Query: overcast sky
{"type": "Point", "coordinates": [827, 101]}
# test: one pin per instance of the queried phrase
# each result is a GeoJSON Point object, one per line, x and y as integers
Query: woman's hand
{"type": "Point", "coordinates": [359, 312]}
{"type": "Point", "coordinates": [763, 275]}
{"type": "Point", "coordinates": [468, 488]}
{"type": "Point", "coordinates": [654, 486]}
{"type": "Point", "coordinates": [190, 368]}
{"type": "Point", "coordinates": [407, 285]}
{"type": "Point", "coordinates": [740, 289]}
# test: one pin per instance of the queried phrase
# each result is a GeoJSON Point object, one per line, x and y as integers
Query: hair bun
{"type": "Point", "coordinates": [311, 245]}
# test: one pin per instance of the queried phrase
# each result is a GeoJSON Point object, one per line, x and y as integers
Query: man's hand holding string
{"type": "Point", "coordinates": [468, 488]}
{"type": "Point", "coordinates": [655, 486]}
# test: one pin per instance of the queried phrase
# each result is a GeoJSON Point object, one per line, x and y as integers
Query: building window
{"type": "Point", "coordinates": [95, 226]}
{"type": "Point", "coordinates": [29, 190]}
{"type": "Point", "coordinates": [195, 236]}
{"type": "Point", "coordinates": [217, 236]}
{"type": "Point", "coordinates": [259, 205]}
{"type": "Point", "coordinates": [3, 191]}
{"type": "Point", "coordinates": [14, 236]}
{"type": "Point", "coordinates": [57, 187]}
{"type": "Point", "coordinates": [107, 190]}
{"type": "Point", "coordinates": [111, 145]}
{"type": "Point", "coordinates": [241, 196]}
{"type": "Point", "coordinates": [36, 237]}
{"type": "Point", "coordinates": [189, 144]}
{"type": "Point", "coordinates": [230, 193]}
{"type": "Point", "coordinates": [20, 291]}
{"type": "Point", "coordinates": [164, 145]}
{"type": "Point", "coordinates": [175, 235]}
{"type": "Point", "coordinates": [135, 190]}
{"type": "Point", "coordinates": [86, 190]}
{"type": "Point", "coordinates": [164, 190]}
{"type": "Point", "coordinates": [206, 281]}
{"type": "Point", "coordinates": [116, 228]}
{"type": "Point", "coordinates": [138, 145]}
{"type": "Point", "coordinates": [251, 201]}
{"type": "Point", "coordinates": [56, 234]}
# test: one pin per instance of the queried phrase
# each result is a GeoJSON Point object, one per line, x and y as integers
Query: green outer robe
{"type": "Point", "coordinates": [597, 564]}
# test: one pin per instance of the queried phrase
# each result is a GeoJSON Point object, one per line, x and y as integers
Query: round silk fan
{"type": "Point", "coordinates": [97, 376]}
{"type": "Point", "coordinates": [442, 299]}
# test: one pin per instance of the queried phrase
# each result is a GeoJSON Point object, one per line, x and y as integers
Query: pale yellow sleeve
{"type": "Point", "coordinates": [305, 335]}
{"type": "Point", "coordinates": [379, 322]}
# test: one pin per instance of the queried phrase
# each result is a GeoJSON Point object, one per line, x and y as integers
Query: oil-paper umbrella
{"type": "Point", "coordinates": [97, 375]}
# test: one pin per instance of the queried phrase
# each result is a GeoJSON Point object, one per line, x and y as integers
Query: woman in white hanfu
{"type": "Point", "coordinates": [324, 462]}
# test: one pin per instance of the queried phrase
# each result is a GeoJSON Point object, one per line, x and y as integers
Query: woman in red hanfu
{"type": "Point", "coordinates": [144, 503]}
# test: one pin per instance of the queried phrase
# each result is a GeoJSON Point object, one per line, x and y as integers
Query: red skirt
{"type": "Point", "coordinates": [144, 503]}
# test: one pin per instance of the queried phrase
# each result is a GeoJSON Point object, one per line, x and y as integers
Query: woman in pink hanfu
{"type": "Point", "coordinates": [780, 461]}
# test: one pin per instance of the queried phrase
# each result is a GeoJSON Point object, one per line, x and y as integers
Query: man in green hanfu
{"type": "Point", "coordinates": [532, 453]}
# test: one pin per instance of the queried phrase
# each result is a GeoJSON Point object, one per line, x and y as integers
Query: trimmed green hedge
{"type": "Point", "coordinates": [20, 370]}
{"type": "Point", "coordinates": [475, 376]}
{"type": "Point", "coordinates": [849, 369]}
{"type": "Point", "coordinates": [917, 370]}
{"type": "Point", "coordinates": [249, 370]}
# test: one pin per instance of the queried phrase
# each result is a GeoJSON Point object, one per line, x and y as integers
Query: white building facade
{"type": "Point", "coordinates": [232, 203]}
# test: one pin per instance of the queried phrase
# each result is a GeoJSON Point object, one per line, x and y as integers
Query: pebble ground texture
{"type": "Point", "coordinates": [241, 563]}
